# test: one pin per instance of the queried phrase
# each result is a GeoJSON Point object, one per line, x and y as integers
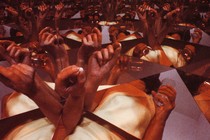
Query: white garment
{"type": "Point", "coordinates": [124, 106]}
{"type": "Point", "coordinates": [172, 54]}
{"type": "Point", "coordinates": [18, 103]}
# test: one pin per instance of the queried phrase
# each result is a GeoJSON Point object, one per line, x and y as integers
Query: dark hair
{"type": "Point", "coordinates": [152, 83]}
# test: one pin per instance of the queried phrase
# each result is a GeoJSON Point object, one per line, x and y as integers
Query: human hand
{"type": "Point", "coordinates": [170, 14]}
{"type": "Point", "coordinates": [3, 52]}
{"type": "Point", "coordinates": [166, 96]}
{"type": "Point", "coordinates": [94, 39]}
{"type": "Point", "coordinates": [43, 10]}
{"type": "Point", "coordinates": [44, 62]}
{"type": "Point", "coordinates": [166, 7]}
{"type": "Point", "coordinates": [70, 81]}
{"type": "Point", "coordinates": [90, 43]}
{"type": "Point", "coordinates": [141, 12]}
{"type": "Point", "coordinates": [99, 65]}
{"type": "Point", "coordinates": [121, 65]}
{"type": "Point", "coordinates": [19, 54]}
{"type": "Point", "coordinates": [196, 35]}
{"type": "Point", "coordinates": [70, 86]}
{"type": "Point", "coordinates": [26, 10]}
{"type": "Point", "coordinates": [46, 36]}
{"type": "Point", "coordinates": [12, 11]}
{"type": "Point", "coordinates": [54, 44]}
{"type": "Point", "coordinates": [113, 33]}
{"type": "Point", "coordinates": [101, 62]}
{"type": "Point", "coordinates": [49, 37]}
{"type": "Point", "coordinates": [123, 62]}
{"type": "Point", "coordinates": [19, 77]}
{"type": "Point", "coordinates": [59, 10]}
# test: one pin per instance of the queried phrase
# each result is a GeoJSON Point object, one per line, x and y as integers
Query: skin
{"type": "Point", "coordinates": [53, 43]}
{"type": "Point", "coordinates": [90, 43]}
{"type": "Point", "coordinates": [74, 95]}
{"type": "Point", "coordinates": [43, 12]}
{"type": "Point", "coordinates": [121, 65]}
{"type": "Point", "coordinates": [157, 124]}
{"type": "Point", "coordinates": [80, 95]}
{"type": "Point", "coordinates": [99, 65]}
{"type": "Point", "coordinates": [23, 78]}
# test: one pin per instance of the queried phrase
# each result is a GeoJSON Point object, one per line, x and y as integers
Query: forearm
{"type": "Point", "coordinates": [72, 112]}
{"type": "Point", "coordinates": [155, 130]}
{"type": "Point", "coordinates": [46, 99]}
{"type": "Point", "coordinates": [60, 133]}
{"type": "Point", "coordinates": [69, 117]}
{"type": "Point", "coordinates": [91, 88]}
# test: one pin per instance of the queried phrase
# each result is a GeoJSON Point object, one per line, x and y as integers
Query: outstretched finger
{"type": "Point", "coordinates": [46, 29]}
{"type": "Point", "coordinates": [115, 57]}
{"type": "Point", "coordinates": [99, 57]}
{"type": "Point", "coordinates": [99, 34]}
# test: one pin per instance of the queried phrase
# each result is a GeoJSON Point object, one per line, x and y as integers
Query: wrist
{"type": "Point", "coordinates": [160, 119]}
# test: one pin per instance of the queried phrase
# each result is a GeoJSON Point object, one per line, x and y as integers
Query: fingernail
{"type": "Point", "coordinates": [81, 69]}
{"type": "Point", "coordinates": [120, 44]}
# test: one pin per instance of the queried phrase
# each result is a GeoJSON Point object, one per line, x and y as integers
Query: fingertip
{"type": "Point", "coordinates": [81, 75]}
{"type": "Point", "coordinates": [81, 69]}
{"type": "Point", "coordinates": [119, 44]}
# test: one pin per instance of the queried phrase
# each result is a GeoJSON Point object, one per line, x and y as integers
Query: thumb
{"type": "Point", "coordinates": [81, 77]}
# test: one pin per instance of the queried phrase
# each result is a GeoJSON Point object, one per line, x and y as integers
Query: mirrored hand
{"type": "Point", "coordinates": [121, 66]}
{"type": "Point", "coordinates": [94, 39]}
{"type": "Point", "coordinates": [70, 81]}
{"type": "Point", "coordinates": [166, 96]}
{"type": "Point", "coordinates": [101, 62]}
{"type": "Point", "coordinates": [166, 7]}
{"type": "Point", "coordinates": [43, 10]}
{"type": "Point", "coordinates": [123, 62]}
{"type": "Point", "coordinates": [4, 55]}
{"type": "Point", "coordinates": [90, 43]}
{"type": "Point", "coordinates": [19, 77]}
{"type": "Point", "coordinates": [12, 11]}
{"type": "Point", "coordinates": [59, 10]}
{"type": "Point", "coordinates": [19, 54]}
{"type": "Point", "coordinates": [196, 35]}
{"type": "Point", "coordinates": [46, 36]}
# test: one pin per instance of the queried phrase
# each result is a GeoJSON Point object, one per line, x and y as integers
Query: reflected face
{"type": "Point", "coordinates": [140, 50]}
